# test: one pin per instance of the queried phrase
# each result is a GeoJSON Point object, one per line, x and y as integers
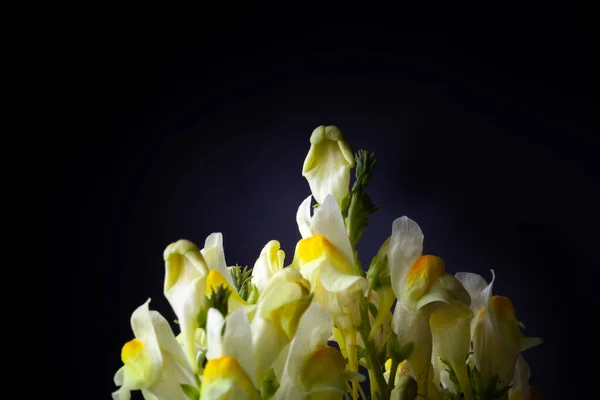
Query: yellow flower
{"type": "Point", "coordinates": [325, 258]}
{"type": "Point", "coordinates": [497, 338]}
{"type": "Point", "coordinates": [450, 330]}
{"type": "Point", "coordinates": [153, 362]}
{"type": "Point", "coordinates": [419, 283]}
{"type": "Point", "coordinates": [184, 288]}
{"type": "Point", "coordinates": [190, 275]}
{"type": "Point", "coordinates": [328, 163]}
{"type": "Point", "coordinates": [279, 308]}
{"type": "Point", "coordinates": [269, 262]}
{"type": "Point", "coordinates": [312, 367]}
{"type": "Point", "coordinates": [230, 371]}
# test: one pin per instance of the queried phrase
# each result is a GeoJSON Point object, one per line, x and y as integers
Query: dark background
{"type": "Point", "coordinates": [489, 144]}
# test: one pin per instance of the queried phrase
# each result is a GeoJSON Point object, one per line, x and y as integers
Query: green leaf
{"type": "Point", "coordinates": [365, 163]}
{"type": "Point", "coordinates": [217, 299]}
{"type": "Point", "coordinates": [360, 209]}
{"type": "Point", "coordinates": [191, 392]}
{"type": "Point", "coordinates": [360, 206]}
{"type": "Point", "coordinates": [240, 276]}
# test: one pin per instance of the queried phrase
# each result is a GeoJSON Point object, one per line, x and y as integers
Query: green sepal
{"type": "Point", "coordinates": [191, 392]}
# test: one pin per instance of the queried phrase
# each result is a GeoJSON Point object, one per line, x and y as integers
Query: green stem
{"type": "Point", "coordinates": [365, 328]}
{"type": "Point", "coordinates": [392, 380]}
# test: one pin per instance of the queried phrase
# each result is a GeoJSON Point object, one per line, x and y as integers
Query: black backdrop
{"type": "Point", "coordinates": [488, 144]}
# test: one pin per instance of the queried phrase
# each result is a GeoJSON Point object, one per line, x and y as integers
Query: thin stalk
{"type": "Point", "coordinates": [392, 380]}
{"type": "Point", "coordinates": [352, 359]}
{"type": "Point", "coordinates": [365, 328]}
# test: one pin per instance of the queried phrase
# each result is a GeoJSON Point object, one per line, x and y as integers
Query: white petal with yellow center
{"type": "Point", "coordinates": [214, 255]}
{"type": "Point", "coordinates": [154, 361]}
{"type": "Point", "coordinates": [406, 245]}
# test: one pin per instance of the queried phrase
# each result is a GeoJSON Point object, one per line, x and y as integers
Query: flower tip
{"type": "Point", "coordinates": [180, 247]}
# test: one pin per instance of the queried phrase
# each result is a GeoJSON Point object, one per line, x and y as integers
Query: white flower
{"type": "Point", "coordinates": [268, 263]}
{"type": "Point", "coordinates": [313, 367]}
{"type": "Point", "coordinates": [219, 274]}
{"type": "Point", "coordinates": [325, 258]}
{"type": "Point", "coordinates": [184, 288]}
{"type": "Point", "coordinates": [450, 330]}
{"type": "Point", "coordinates": [497, 339]}
{"type": "Point", "coordinates": [419, 282]}
{"type": "Point", "coordinates": [153, 362]}
{"type": "Point", "coordinates": [230, 372]}
{"type": "Point", "coordinates": [279, 308]}
{"type": "Point", "coordinates": [328, 163]}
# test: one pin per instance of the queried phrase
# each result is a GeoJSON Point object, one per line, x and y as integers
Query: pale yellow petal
{"type": "Point", "coordinates": [214, 255]}
{"type": "Point", "coordinates": [303, 217]}
{"type": "Point", "coordinates": [328, 222]}
{"type": "Point", "coordinates": [406, 245]}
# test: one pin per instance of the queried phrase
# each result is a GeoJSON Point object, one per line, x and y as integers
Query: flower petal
{"type": "Point", "coordinates": [328, 163]}
{"type": "Point", "coordinates": [474, 285]}
{"type": "Point", "coordinates": [314, 330]}
{"type": "Point", "coordinates": [235, 341]}
{"type": "Point", "coordinates": [268, 263]}
{"type": "Point", "coordinates": [184, 287]}
{"type": "Point", "coordinates": [406, 245]}
{"type": "Point", "coordinates": [214, 330]}
{"type": "Point", "coordinates": [214, 255]}
{"type": "Point", "coordinates": [303, 217]}
{"type": "Point", "coordinates": [141, 324]}
{"type": "Point", "coordinates": [335, 281]}
{"type": "Point", "coordinates": [328, 222]}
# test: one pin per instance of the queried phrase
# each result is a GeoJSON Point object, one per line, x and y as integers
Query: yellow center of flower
{"type": "Point", "coordinates": [214, 280]}
{"type": "Point", "coordinates": [135, 357]}
{"type": "Point", "coordinates": [228, 368]}
{"type": "Point", "coordinates": [222, 368]}
{"type": "Point", "coordinates": [324, 365]}
{"type": "Point", "coordinates": [421, 274]}
{"type": "Point", "coordinates": [318, 246]}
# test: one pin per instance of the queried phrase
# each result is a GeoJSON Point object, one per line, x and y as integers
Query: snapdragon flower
{"type": "Point", "coordinates": [328, 163]}
{"type": "Point", "coordinates": [154, 362]}
{"type": "Point", "coordinates": [270, 332]}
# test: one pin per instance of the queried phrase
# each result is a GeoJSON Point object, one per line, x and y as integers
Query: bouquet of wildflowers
{"type": "Point", "coordinates": [317, 326]}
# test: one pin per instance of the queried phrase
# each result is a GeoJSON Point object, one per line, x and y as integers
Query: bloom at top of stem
{"type": "Point", "coordinates": [328, 163]}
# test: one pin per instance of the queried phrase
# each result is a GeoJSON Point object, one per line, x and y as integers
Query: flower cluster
{"type": "Point", "coordinates": [318, 326]}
